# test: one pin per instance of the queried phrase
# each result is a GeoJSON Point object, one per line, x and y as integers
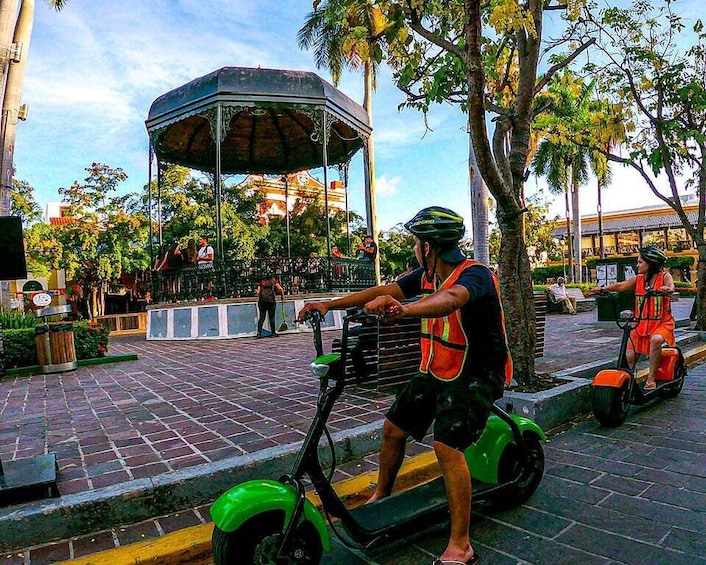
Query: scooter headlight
{"type": "Point", "coordinates": [319, 369]}
{"type": "Point", "coordinates": [627, 315]}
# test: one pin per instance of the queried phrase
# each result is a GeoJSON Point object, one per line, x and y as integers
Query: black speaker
{"type": "Point", "coordinates": [12, 249]}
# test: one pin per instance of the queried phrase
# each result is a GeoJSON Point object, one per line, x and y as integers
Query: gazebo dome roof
{"type": "Point", "coordinates": [271, 121]}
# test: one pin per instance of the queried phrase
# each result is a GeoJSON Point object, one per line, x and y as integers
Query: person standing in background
{"type": "Point", "coordinates": [267, 290]}
{"type": "Point", "coordinates": [205, 255]}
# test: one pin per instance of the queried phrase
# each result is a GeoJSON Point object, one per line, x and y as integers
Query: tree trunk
{"type": "Point", "coordinates": [569, 239]}
{"type": "Point", "coordinates": [479, 208]}
{"type": "Point", "coordinates": [701, 287]}
{"type": "Point", "coordinates": [11, 102]}
{"type": "Point", "coordinates": [601, 246]}
{"type": "Point", "coordinates": [576, 211]}
{"type": "Point", "coordinates": [507, 189]}
{"type": "Point", "coordinates": [517, 297]}
{"type": "Point", "coordinates": [371, 213]}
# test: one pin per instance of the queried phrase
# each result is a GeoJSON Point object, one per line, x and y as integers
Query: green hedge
{"type": "Point", "coordinates": [541, 274]}
{"type": "Point", "coordinates": [90, 341]}
{"type": "Point", "coordinates": [685, 289]}
{"type": "Point", "coordinates": [675, 261]}
{"type": "Point", "coordinates": [585, 287]}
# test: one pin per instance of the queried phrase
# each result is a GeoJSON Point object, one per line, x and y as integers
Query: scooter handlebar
{"type": "Point", "coordinates": [312, 316]}
{"type": "Point", "coordinates": [358, 314]}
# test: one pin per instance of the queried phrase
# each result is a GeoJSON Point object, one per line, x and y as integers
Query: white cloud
{"type": "Point", "coordinates": [385, 186]}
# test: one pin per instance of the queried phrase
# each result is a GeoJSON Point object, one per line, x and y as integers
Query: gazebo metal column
{"type": "Point", "coordinates": [217, 181]}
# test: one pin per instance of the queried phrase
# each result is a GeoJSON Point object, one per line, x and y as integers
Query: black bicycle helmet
{"type": "Point", "coordinates": [437, 225]}
{"type": "Point", "coordinates": [653, 255]}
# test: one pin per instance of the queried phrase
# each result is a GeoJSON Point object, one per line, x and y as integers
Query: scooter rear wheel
{"type": "Point", "coordinates": [611, 404]}
{"type": "Point", "coordinates": [257, 542]}
{"type": "Point", "coordinates": [674, 388]}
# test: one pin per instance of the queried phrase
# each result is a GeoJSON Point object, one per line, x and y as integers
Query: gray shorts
{"type": "Point", "coordinates": [458, 408]}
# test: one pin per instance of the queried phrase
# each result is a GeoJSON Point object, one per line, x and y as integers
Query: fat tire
{"type": "Point", "coordinates": [510, 464]}
{"type": "Point", "coordinates": [611, 405]}
{"type": "Point", "coordinates": [241, 546]}
{"type": "Point", "coordinates": [673, 389]}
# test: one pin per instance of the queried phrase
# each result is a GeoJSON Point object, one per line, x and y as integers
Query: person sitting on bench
{"type": "Point", "coordinates": [558, 294]}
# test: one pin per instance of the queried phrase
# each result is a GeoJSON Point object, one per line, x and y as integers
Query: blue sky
{"type": "Point", "coordinates": [95, 68]}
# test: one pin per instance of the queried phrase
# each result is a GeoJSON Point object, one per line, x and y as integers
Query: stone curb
{"type": "Point", "coordinates": [75, 514]}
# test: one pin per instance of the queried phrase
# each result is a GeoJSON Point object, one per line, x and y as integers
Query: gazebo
{"type": "Point", "coordinates": [247, 120]}
{"type": "Point", "coordinates": [240, 121]}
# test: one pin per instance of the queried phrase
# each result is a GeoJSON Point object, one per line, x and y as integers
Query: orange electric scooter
{"type": "Point", "coordinates": [615, 390]}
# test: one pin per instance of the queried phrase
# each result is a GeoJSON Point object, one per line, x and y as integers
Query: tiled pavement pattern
{"type": "Point", "coordinates": [181, 404]}
{"type": "Point", "coordinates": [187, 403]}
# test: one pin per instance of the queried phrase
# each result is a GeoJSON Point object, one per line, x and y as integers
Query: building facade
{"type": "Point", "coordinates": [282, 192]}
{"type": "Point", "coordinates": [626, 231]}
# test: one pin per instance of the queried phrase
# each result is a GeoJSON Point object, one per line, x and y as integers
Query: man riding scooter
{"type": "Point", "coordinates": [656, 326]}
{"type": "Point", "coordinates": [465, 361]}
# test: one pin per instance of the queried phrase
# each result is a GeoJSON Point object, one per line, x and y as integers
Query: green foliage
{"type": "Point", "coordinates": [538, 236]}
{"type": "Point", "coordinates": [584, 287]}
{"type": "Point", "coordinates": [90, 339]}
{"type": "Point", "coordinates": [23, 204]}
{"type": "Point", "coordinates": [16, 319]}
{"type": "Point", "coordinates": [104, 238]}
{"type": "Point", "coordinates": [680, 261]}
{"type": "Point", "coordinates": [395, 246]}
{"type": "Point", "coordinates": [673, 262]}
{"type": "Point", "coordinates": [541, 274]}
{"type": "Point", "coordinates": [685, 289]}
{"type": "Point", "coordinates": [307, 230]}
{"type": "Point", "coordinates": [20, 348]}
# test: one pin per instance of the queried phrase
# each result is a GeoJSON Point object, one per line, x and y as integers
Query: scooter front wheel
{"type": "Point", "coordinates": [258, 540]}
{"type": "Point", "coordinates": [611, 404]}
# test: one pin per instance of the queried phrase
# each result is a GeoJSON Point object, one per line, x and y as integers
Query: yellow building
{"type": "Point", "coordinates": [626, 231]}
{"type": "Point", "coordinates": [282, 192]}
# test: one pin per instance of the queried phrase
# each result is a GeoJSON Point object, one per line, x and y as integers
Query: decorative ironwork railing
{"type": "Point", "coordinates": [237, 279]}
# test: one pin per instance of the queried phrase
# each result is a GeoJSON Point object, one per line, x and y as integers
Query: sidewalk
{"type": "Point", "coordinates": [172, 430]}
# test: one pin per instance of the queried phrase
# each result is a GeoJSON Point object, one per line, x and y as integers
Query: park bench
{"type": "Point", "coordinates": [385, 356]}
{"type": "Point", "coordinates": [583, 304]}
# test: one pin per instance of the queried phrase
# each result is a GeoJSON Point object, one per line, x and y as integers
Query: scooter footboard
{"type": "Point", "coordinates": [611, 377]}
{"type": "Point", "coordinates": [483, 457]}
{"type": "Point", "coordinates": [246, 500]}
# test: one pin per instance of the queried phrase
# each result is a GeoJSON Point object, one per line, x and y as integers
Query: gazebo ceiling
{"type": "Point", "coordinates": [272, 121]}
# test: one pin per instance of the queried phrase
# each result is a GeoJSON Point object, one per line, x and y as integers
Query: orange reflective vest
{"type": "Point", "coordinates": [444, 343]}
{"type": "Point", "coordinates": [650, 310]}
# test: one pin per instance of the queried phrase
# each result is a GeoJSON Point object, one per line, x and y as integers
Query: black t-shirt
{"type": "Point", "coordinates": [481, 317]}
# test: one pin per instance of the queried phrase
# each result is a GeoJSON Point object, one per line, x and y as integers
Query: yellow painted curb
{"type": "Point", "coordinates": [192, 546]}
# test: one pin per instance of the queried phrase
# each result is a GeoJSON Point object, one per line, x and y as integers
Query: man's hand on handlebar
{"type": "Point", "coordinates": [389, 309]}
{"type": "Point", "coordinates": [321, 307]}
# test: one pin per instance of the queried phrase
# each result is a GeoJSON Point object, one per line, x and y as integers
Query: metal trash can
{"type": "Point", "coordinates": [56, 351]}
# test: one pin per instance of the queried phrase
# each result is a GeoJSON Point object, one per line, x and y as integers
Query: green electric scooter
{"type": "Point", "coordinates": [272, 522]}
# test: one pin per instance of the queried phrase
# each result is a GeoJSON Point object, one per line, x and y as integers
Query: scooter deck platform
{"type": "Point", "coordinates": [420, 504]}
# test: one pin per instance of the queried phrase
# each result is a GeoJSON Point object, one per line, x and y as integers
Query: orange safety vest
{"type": "Point", "coordinates": [650, 311]}
{"type": "Point", "coordinates": [444, 344]}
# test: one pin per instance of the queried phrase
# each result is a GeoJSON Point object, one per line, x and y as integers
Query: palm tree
{"type": "Point", "coordinates": [347, 34]}
{"type": "Point", "coordinates": [564, 162]}
{"type": "Point", "coordinates": [16, 19]}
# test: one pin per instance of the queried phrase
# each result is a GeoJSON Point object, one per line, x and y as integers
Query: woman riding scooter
{"type": "Point", "coordinates": [656, 326]}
